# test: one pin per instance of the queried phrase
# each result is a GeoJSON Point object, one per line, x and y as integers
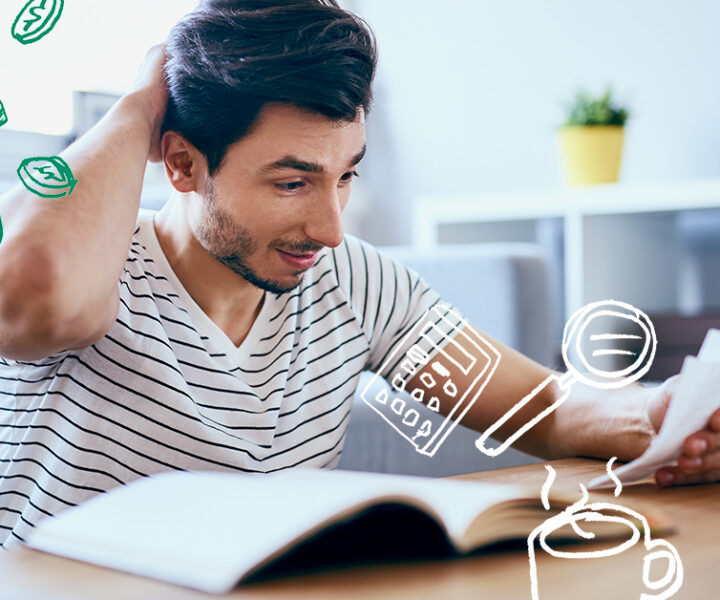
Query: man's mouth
{"type": "Point", "coordinates": [307, 255]}
{"type": "Point", "coordinates": [299, 261]}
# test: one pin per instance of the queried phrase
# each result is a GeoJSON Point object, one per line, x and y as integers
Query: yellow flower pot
{"type": "Point", "coordinates": [591, 154]}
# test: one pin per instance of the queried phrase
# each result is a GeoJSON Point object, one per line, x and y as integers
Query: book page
{"type": "Point", "coordinates": [694, 400]}
{"type": "Point", "coordinates": [207, 530]}
{"type": "Point", "coordinates": [459, 502]}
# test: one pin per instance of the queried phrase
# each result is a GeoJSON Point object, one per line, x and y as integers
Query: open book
{"type": "Point", "coordinates": [210, 531]}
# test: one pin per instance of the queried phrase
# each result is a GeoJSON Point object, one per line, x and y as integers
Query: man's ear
{"type": "Point", "coordinates": [185, 165]}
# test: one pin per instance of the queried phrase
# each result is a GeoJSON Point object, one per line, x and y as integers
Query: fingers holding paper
{"type": "Point", "coordinates": [685, 413]}
{"type": "Point", "coordinates": [700, 460]}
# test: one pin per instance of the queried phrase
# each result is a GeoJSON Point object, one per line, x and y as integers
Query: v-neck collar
{"type": "Point", "coordinates": [218, 341]}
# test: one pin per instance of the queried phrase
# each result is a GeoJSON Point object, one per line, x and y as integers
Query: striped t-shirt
{"type": "Point", "coordinates": [166, 388]}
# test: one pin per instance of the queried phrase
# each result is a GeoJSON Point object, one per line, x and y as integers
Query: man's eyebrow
{"type": "Point", "coordinates": [292, 162]}
{"type": "Point", "coordinates": [358, 157]}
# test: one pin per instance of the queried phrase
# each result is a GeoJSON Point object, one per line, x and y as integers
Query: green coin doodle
{"type": "Point", "coordinates": [3, 115]}
{"type": "Point", "coordinates": [36, 20]}
{"type": "Point", "coordinates": [49, 177]}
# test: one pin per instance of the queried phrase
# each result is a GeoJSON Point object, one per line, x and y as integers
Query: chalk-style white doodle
{"type": "Point", "coordinates": [608, 512]}
{"type": "Point", "coordinates": [397, 404]}
{"type": "Point", "coordinates": [577, 333]}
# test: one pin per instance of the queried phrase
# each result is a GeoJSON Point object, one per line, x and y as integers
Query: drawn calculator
{"type": "Point", "coordinates": [398, 405]}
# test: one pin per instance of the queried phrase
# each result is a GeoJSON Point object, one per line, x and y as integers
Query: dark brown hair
{"type": "Point", "coordinates": [229, 58]}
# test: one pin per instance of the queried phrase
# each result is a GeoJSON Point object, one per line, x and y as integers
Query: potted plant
{"type": "Point", "coordinates": [592, 139]}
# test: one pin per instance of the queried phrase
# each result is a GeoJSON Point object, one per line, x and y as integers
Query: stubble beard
{"type": "Point", "coordinates": [233, 245]}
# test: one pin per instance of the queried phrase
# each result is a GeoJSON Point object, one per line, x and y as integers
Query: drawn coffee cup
{"type": "Point", "coordinates": [598, 512]}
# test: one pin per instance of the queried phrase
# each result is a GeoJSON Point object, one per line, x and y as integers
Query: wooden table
{"type": "Point", "coordinates": [30, 575]}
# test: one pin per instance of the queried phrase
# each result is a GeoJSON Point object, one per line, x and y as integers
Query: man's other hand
{"type": "Point", "coordinates": [700, 460]}
{"type": "Point", "coordinates": [151, 90]}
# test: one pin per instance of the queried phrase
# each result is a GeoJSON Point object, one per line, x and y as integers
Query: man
{"type": "Point", "coordinates": [228, 331]}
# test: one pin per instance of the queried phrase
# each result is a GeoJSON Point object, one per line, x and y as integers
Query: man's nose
{"type": "Point", "coordinates": [323, 223]}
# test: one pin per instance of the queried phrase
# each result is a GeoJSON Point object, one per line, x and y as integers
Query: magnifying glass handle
{"type": "Point", "coordinates": [564, 382]}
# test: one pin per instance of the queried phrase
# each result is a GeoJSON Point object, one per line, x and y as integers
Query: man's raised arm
{"type": "Point", "coordinates": [61, 258]}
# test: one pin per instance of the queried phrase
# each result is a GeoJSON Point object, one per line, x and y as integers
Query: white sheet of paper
{"type": "Point", "coordinates": [710, 350]}
{"type": "Point", "coordinates": [696, 397]}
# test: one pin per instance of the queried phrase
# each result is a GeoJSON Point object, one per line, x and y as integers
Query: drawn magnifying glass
{"type": "Point", "coordinates": [595, 339]}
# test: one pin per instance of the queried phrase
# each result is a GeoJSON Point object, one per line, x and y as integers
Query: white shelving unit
{"type": "Point", "coordinates": [618, 239]}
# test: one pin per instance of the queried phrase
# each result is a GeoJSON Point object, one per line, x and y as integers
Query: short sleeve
{"type": "Point", "coordinates": [397, 308]}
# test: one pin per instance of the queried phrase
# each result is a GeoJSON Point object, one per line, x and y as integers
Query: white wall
{"type": "Point", "coordinates": [96, 45]}
{"type": "Point", "coordinates": [469, 93]}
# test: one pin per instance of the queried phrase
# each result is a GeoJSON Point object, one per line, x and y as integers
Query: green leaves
{"type": "Point", "coordinates": [600, 110]}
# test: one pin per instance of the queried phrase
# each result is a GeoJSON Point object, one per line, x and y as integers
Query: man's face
{"type": "Point", "coordinates": [278, 197]}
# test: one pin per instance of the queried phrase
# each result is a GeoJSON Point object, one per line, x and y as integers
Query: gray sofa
{"type": "Point", "coordinates": [502, 289]}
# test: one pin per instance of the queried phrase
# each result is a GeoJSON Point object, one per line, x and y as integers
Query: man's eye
{"type": "Point", "coordinates": [348, 176]}
{"type": "Point", "coordinates": [289, 187]}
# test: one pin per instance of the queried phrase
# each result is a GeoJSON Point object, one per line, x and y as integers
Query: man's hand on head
{"type": "Point", "coordinates": [151, 90]}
